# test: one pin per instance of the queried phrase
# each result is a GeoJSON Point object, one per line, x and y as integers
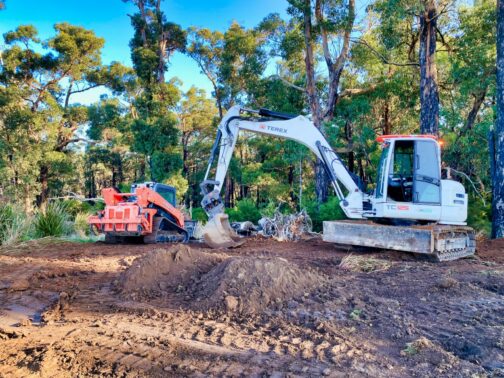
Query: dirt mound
{"type": "Point", "coordinates": [248, 285]}
{"type": "Point", "coordinates": [166, 270]}
{"type": "Point", "coordinates": [491, 250]}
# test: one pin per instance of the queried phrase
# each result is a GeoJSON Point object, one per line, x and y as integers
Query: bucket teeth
{"type": "Point", "coordinates": [218, 233]}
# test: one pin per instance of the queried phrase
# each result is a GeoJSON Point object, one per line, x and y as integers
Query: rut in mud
{"type": "Point", "coordinates": [267, 308]}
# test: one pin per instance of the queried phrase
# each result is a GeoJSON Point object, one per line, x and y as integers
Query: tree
{"type": "Point", "coordinates": [154, 130]}
{"type": "Point", "coordinates": [333, 20]}
{"type": "Point", "coordinates": [206, 48]}
{"type": "Point", "coordinates": [243, 62]}
{"type": "Point", "coordinates": [154, 41]}
{"type": "Point", "coordinates": [498, 135]}
{"type": "Point", "coordinates": [37, 86]}
{"type": "Point", "coordinates": [429, 94]}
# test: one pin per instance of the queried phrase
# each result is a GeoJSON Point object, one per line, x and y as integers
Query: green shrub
{"type": "Point", "coordinates": [73, 206]}
{"type": "Point", "coordinates": [53, 221]}
{"type": "Point", "coordinates": [91, 207]}
{"type": "Point", "coordinates": [479, 216]}
{"type": "Point", "coordinates": [198, 214]}
{"type": "Point", "coordinates": [14, 225]}
{"type": "Point", "coordinates": [329, 210]}
{"type": "Point", "coordinates": [6, 218]}
{"type": "Point", "coordinates": [80, 225]}
{"type": "Point", "coordinates": [245, 210]}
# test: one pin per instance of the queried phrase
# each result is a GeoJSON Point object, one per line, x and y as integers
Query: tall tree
{"type": "Point", "coordinates": [206, 48]}
{"type": "Point", "coordinates": [429, 93]}
{"type": "Point", "coordinates": [155, 40]}
{"type": "Point", "coordinates": [498, 135]}
{"type": "Point", "coordinates": [39, 84]}
{"type": "Point", "coordinates": [333, 20]}
{"type": "Point", "coordinates": [154, 130]}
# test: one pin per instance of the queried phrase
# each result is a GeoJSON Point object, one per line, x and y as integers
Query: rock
{"type": "Point", "coordinates": [231, 303]}
{"type": "Point", "coordinates": [326, 372]}
{"type": "Point", "coordinates": [20, 285]}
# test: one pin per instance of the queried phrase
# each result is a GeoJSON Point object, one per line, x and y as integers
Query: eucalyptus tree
{"type": "Point", "coordinates": [38, 79]}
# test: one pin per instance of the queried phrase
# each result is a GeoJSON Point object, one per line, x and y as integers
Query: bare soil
{"type": "Point", "coordinates": [264, 309]}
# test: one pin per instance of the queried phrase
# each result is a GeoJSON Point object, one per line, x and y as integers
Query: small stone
{"type": "Point", "coordinates": [20, 285]}
{"type": "Point", "coordinates": [326, 371]}
{"type": "Point", "coordinates": [231, 303]}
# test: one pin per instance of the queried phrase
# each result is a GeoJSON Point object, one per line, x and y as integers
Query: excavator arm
{"type": "Point", "coordinates": [296, 128]}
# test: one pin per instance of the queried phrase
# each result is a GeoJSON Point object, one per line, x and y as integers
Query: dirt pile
{"type": "Point", "coordinates": [165, 270]}
{"type": "Point", "coordinates": [248, 285]}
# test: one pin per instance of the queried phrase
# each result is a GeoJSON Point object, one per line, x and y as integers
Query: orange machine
{"type": "Point", "coordinates": [148, 213]}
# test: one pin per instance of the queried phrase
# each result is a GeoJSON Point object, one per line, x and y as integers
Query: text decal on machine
{"type": "Point", "coordinates": [273, 128]}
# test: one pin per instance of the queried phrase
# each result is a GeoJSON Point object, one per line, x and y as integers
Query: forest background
{"type": "Point", "coordinates": [358, 70]}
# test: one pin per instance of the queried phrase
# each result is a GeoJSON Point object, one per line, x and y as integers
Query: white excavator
{"type": "Point", "coordinates": [411, 209]}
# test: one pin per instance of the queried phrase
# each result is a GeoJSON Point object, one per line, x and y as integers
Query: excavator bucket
{"type": "Point", "coordinates": [218, 233]}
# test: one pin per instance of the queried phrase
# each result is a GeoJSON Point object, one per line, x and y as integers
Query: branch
{"type": "Point", "coordinates": [86, 89]}
{"type": "Point", "coordinates": [383, 58]}
{"type": "Point", "coordinates": [325, 43]}
{"type": "Point", "coordinates": [357, 91]}
{"type": "Point", "coordinates": [346, 38]}
{"type": "Point", "coordinates": [288, 83]}
{"type": "Point", "coordinates": [65, 143]}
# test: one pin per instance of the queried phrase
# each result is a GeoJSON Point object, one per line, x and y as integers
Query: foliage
{"type": "Point", "coordinates": [199, 214]}
{"type": "Point", "coordinates": [14, 224]}
{"type": "Point", "coordinates": [80, 225]}
{"type": "Point", "coordinates": [479, 216]}
{"type": "Point", "coordinates": [245, 210]}
{"type": "Point", "coordinates": [147, 128]}
{"type": "Point", "coordinates": [180, 184]}
{"type": "Point", "coordinates": [330, 210]}
{"type": "Point", "coordinates": [51, 221]}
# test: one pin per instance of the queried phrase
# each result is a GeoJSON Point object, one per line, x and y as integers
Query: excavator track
{"type": "Point", "coordinates": [164, 230]}
{"type": "Point", "coordinates": [452, 243]}
{"type": "Point", "coordinates": [440, 242]}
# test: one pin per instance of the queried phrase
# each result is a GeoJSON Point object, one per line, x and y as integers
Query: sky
{"type": "Point", "coordinates": [109, 19]}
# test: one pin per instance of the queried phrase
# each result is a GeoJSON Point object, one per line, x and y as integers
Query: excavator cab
{"type": "Point", "coordinates": [409, 184]}
{"type": "Point", "coordinates": [166, 191]}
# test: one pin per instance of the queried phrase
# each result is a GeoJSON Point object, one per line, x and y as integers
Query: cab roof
{"type": "Point", "coordinates": [383, 138]}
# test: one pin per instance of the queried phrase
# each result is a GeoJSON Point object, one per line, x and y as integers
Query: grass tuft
{"type": "Point", "coordinates": [14, 225]}
{"type": "Point", "coordinates": [363, 264]}
{"type": "Point", "coordinates": [52, 221]}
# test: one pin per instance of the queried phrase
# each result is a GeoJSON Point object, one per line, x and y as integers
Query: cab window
{"type": "Point", "coordinates": [167, 194]}
{"type": "Point", "coordinates": [400, 179]}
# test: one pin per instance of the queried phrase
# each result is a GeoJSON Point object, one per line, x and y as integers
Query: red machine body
{"type": "Point", "coordinates": [133, 214]}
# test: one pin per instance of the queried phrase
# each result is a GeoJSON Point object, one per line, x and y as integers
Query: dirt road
{"type": "Point", "coordinates": [70, 309]}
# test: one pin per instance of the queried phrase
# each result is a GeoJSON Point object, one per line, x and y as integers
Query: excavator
{"type": "Point", "coordinates": [413, 208]}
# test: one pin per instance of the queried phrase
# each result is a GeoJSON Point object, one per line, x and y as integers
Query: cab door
{"type": "Point", "coordinates": [427, 173]}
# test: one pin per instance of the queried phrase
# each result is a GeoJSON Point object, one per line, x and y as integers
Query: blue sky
{"type": "Point", "coordinates": [108, 19]}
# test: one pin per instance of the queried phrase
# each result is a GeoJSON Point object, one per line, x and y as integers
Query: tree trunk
{"type": "Point", "coordinates": [290, 179]}
{"type": "Point", "coordinates": [479, 97]}
{"type": "Point", "coordinates": [498, 136]}
{"type": "Point", "coordinates": [321, 181]}
{"type": "Point", "coordinates": [228, 196]}
{"type": "Point", "coordinates": [44, 187]}
{"type": "Point", "coordinates": [348, 137]}
{"type": "Point", "coordinates": [387, 126]}
{"type": "Point", "coordinates": [429, 96]}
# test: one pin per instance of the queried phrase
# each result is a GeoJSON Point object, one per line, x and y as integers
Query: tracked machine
{"type": "Point", "coordinates": [147, 214]}
{"type": "Point", "coordinates": [412, 208]}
